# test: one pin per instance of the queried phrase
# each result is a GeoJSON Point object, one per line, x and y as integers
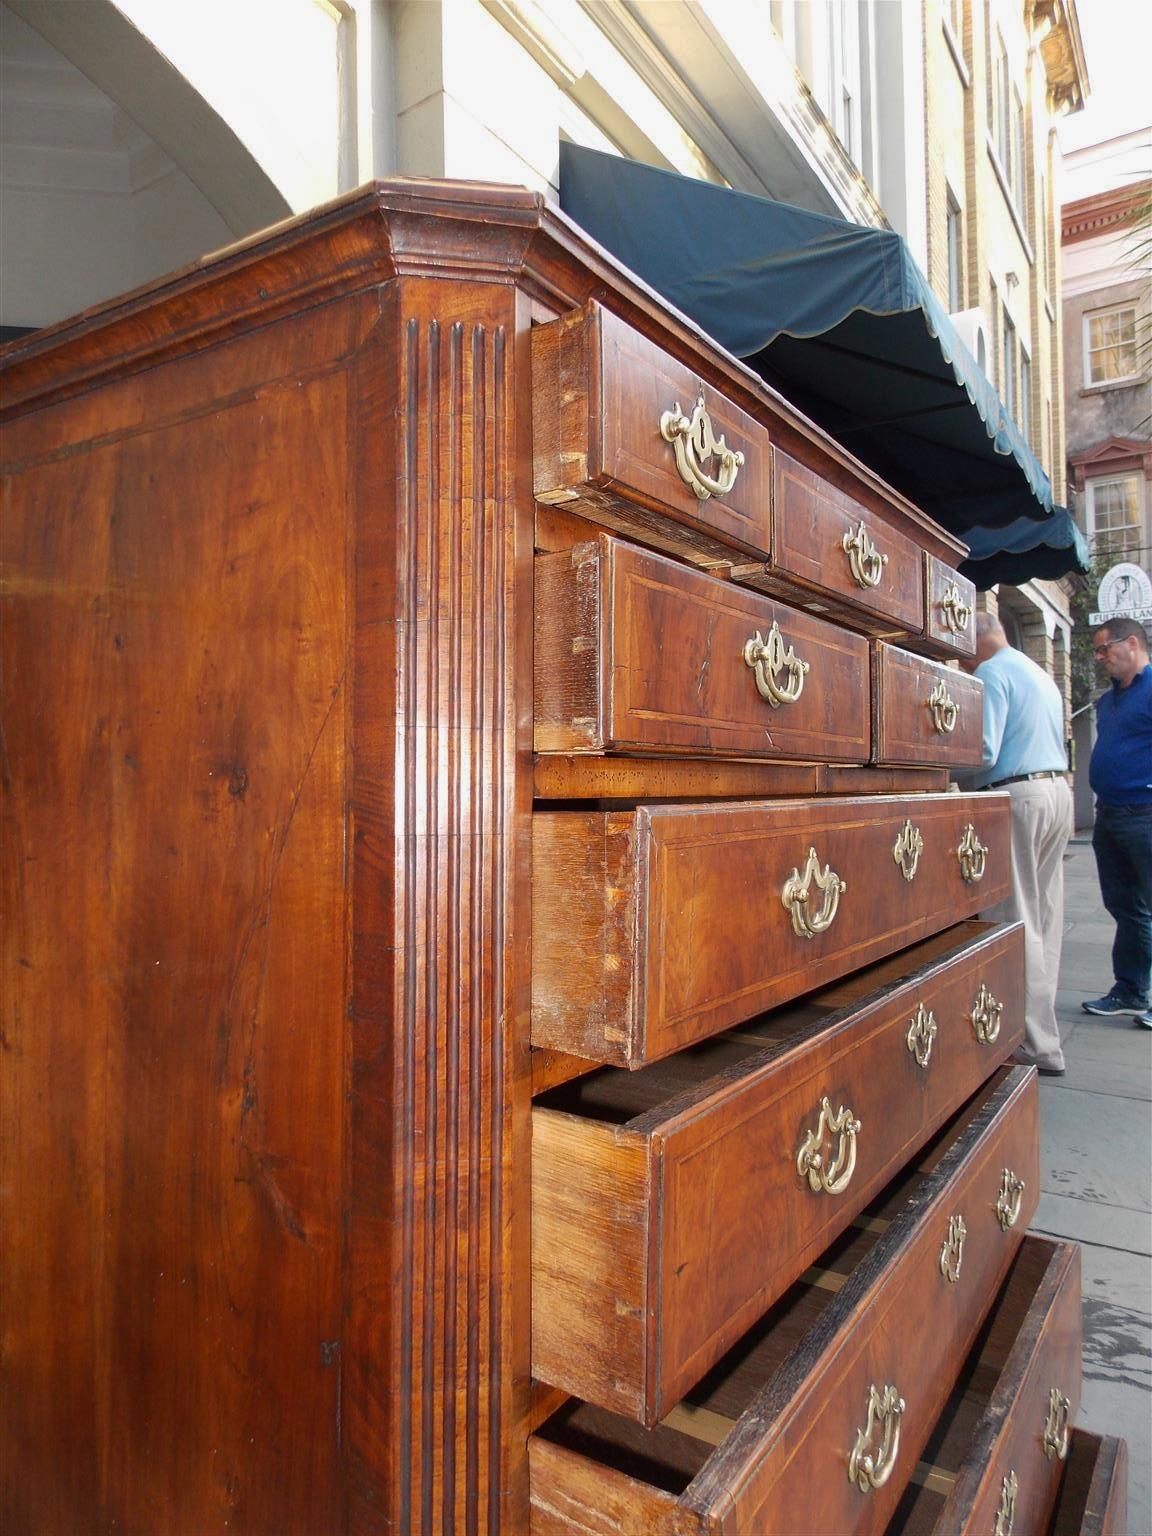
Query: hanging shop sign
{"type": "Point", "coordinates": [1125, 593]}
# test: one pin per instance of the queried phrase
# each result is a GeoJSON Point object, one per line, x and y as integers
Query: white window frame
{"type": "Point", "coordinates": [1099, 538]}
{"type": "Point", "coordinates": [1024, 415]}
{"type": "Point", "coordinates": [1001, 84]}
{"type": "Point", "coordinates": [1009, 352]}
{"type": "Point", "coordinates": [954, 244]}
{"type": "Point", "coordinates": [1129, 306]}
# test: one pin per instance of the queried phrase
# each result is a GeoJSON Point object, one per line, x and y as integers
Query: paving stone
{"type": "Point", "coordinates": [1098, 1147]}
{"type": "Point", "coordinates": [1117, 1395]}
{"type": "Point", "coordinates": [1086, 1221]}
{"type": "Point", "coordinates": [1121, 1279]}
{"type": "Point", "coordinates": [1096, 1153]}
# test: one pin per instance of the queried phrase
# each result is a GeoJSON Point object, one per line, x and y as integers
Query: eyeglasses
{"type": "Point", "coordinates": [1102, 650]}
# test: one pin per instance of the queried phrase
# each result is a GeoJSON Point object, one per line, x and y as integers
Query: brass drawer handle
{"type": "Point", "coordinates": [921, 1034]}
{"type": "Point", "coordinates": [907, 849]}
{"type": "Point", "coordinates": [864, 560]}
{"type": "Point", "coordinates": [957, 614]}
{"type": "Point", "coordinates": [1058, 1428]}
{"type": "Point", "coordinates": [768, 659]}
{"type": "Point", "coordinates": [945, 710]}
{"type": "Point", "coordinates": [1008, 1200]}
{"type": "Point", "coordinates": [869, 1468]}
{"type": "Point", "coordinates": [829, 1175]}
{"type": "Point", "coordinates": [695, 443]}
{"type": "Point", "coordinates": [794, 895]}
{"type": "Point", "coordinates": [986, 1015]}
{"type": "Point", "coordinates": [973, 856]}
{"type": "Point", "coordinates": [1006, 1514]}
{"type": "Point", "coordinates": [952, 1253]}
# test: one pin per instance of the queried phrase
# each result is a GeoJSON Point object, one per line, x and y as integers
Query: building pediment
{"type": "Point", "coordinates": [1112, 456]}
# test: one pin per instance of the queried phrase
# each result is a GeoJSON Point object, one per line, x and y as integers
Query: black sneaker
{"type": "Point", "coordinates": [1114, 1002]}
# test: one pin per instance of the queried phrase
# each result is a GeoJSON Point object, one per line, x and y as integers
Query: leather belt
{"type": "Point", "coordinates": [1019, 778]}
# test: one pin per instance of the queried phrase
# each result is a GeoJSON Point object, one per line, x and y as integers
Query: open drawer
{"type": "Point", "coordinates": [638, 653]}
{"type": "Point", "coordinates": [995, 1460]}
{"type": "Point", "coordinates": [816, 1418]}
{"type": "Point", "coordinates": [672, 1206]}
{"type": "Point", "coordinates": [655, 927]}
{"type": "Point", "coordinates": [1094, 1494]}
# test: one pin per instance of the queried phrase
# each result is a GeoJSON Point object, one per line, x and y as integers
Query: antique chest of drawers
{"type": "Point", "coordinates": [499, 1032]}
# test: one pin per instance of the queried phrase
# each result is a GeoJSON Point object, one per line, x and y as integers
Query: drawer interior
{"type": "Point", "coordinates": [920, 1508]}
{"type": "Point", "coordinates": [615, 1095]}
{"type": "Point", "coordinates": [671, 1455]}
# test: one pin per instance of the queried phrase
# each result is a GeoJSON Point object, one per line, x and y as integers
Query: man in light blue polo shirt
{"type": "Point", "coordinates": [1024, 754]}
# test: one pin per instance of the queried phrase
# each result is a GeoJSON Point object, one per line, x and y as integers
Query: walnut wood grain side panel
{"type": "Point", "coordinates": [950, 616]}
{"type": "Point", "coordinates": [600, 390]}
{"type": "Point", "coordinates": [812, 520]}
{"type": "Point", "coordinates": [721, 1221]}
{"type": "Point", "coordinates": [635, 652]}
{"type": "Point", "coordinates": [1044, 1356]}
{"type": "Point", "coordinates": [659, 926]}
{"type": "Point", "coordinates": [782, 1448]}
{"type": "Point", "coordinates": [268, 723]}
{"type": "Point", "coordinates": [177, 712]}
{"type": "Point", "coordinates": [927, 714]}
{"type": "Point", "coordinates": [1094, 1494]}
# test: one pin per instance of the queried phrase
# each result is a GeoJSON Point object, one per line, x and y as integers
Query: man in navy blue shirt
{"type": "Point", "coordinates": [1121, 776]}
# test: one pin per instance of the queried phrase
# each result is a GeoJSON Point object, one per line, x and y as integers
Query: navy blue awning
{"type": "Point", "coordinates": [835, 316]}
{"type": "Point", "coordinates": [1025, 550]}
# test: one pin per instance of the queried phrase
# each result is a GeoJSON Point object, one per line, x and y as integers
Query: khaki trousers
{"type": "Point", "coordinates": [1041, 826]}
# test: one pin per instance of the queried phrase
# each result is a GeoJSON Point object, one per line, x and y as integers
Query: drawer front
{"type": "Point", "coordinates": [722, 1219]}
{"type": "Point", "coordinates": [901, 1339]}
{"type": "Point", "coordinates": [829, 543]}
{"type": "Point", "coordinates": [927, 714]}
{"type": "Point", "coordinates": [1094, 1494]}
{"type": "Point", "coordinates": [950, 622]}
{"type": "Point", "coordinates": [624, 433]}
{"type": "Point", "coordinates": [636, 652]}
{"type": "Point", "coordinates": [1013, 1469]}
{"type": "Point", "coordinates": [657, 927]}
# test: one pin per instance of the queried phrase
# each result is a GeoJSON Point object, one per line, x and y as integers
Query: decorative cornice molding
{"type": "Point", "coordinates": [1088, 217]}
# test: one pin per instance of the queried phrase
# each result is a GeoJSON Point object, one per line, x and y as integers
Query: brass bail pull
{"type": "Point", "coordinates": [827, 1172]}
{"type": "Point", "coordinates": [973, 856]}
{"type": "Point", "coordinates": [952, 1253]}
{"type": "Point", "coordinates": [870, 1464]}
{"type": "Point", "coordinates": [1058, 1428]}
{"type": "Point", "coordinates": [1009, 1199]}
{"type": "Point", "coordinates": [696, 445]}
{"type": "Point", "coordinates": [864, 560]}
{"type": "Point", "coordinates": [796, 891]}
{"type": "Point", "coordinates": [1006, 1513]}
{"type": "Point", "coordinates": [922, 1034]}
{"type": "Point", "coordinates": [945, 710]}
{"type": "Point", "coordinates": [957, 613]}
{"type": "Point", "coordinates": [986, 1015]}
{"type": "Point", "coordinates": [907, 849]}
{"type": "Point", "coordinates": [768, 660]}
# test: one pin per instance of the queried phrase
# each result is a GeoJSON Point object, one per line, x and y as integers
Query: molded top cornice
{"type": "Point", "coordinates": [404, 228]}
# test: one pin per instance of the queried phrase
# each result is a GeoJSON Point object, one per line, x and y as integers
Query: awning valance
{"type": "Point", "coordinates": [1025, 550]}
{"type": "Point", "coordinates": [837, 317]}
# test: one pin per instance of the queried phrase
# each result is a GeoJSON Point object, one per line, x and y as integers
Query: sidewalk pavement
{"type": "Point", "coordinates": [1096, 1180]}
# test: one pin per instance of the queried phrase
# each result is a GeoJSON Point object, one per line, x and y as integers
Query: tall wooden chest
{"type": "Point", "coordinates": [497, 1033]}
